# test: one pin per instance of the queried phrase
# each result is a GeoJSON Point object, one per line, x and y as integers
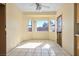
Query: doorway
{"type": "Point", "coordinates": [59, 30]}
{"type": "Point", "coordinates": [2, 30]}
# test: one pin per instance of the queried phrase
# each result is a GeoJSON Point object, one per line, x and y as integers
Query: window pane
{"type": "Point", "coordinates": [30, 26]}
{"type": "Point", "coordinates": [52, 25]}
{"type": "Point", "coordinates": [42, 25]}
{"type": "Point", "coordinates": [59, 24]}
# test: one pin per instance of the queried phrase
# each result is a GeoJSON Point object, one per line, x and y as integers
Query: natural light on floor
{"type": "Point", "coordinates": [46, 46]}
{"type": "Point", "coordinates": [30, 45]}
{"type": "Point", "coordinates": [34, 45]}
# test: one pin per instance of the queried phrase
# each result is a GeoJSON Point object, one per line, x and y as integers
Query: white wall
{"type": "Point", "coordinates": [67, 12]}
{"type": "Point", "coordinates": [13, 26]}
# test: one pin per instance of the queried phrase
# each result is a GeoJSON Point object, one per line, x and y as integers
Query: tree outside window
{"type": "Point", "coordinates": [42, 25]}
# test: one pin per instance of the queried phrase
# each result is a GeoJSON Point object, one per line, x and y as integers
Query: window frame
{"type": "Point", "coordinates": [50, 25]}
{"type": "Point", "coordinates": [34, 21]}
{"type": "Point", "coordinates": [28, 25]}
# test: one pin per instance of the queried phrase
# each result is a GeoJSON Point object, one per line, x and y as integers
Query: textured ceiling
{"type": "Point", "coordinates": [31, 7]}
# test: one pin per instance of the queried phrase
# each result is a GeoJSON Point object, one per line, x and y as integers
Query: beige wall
{"type": "Point", "coordinates": [13, 26]}
{"type": "Point", "coordinates": [16, 25]}
{"type": "Point", "coordinates": [38, 35]}
{"type": "Point", "coordinates": [67, 12]}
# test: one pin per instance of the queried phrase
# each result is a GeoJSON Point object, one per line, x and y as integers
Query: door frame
{"type": "Point", "coordinates": [75, 20]}
{"type": "Point", "coordinates": [59, 33]}
{"type": "Point", "coordinates": [3, 50]}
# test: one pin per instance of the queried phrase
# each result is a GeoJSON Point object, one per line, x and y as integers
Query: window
{"type": "Point", "coordinates": [59, 24]}
{"type": "Point", "coordinates": [30, 26]}
{"type": "Point", "coordinates": [42, 25]}
{"type": "Point", "coordinates": [52, 25]}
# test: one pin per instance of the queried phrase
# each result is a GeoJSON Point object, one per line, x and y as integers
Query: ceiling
{"type": "Point", "coordinates": [31, 7]}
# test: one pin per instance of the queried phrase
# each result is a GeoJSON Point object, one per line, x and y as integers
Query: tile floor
{"type": "Point", "coordinates": [38, 48]}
